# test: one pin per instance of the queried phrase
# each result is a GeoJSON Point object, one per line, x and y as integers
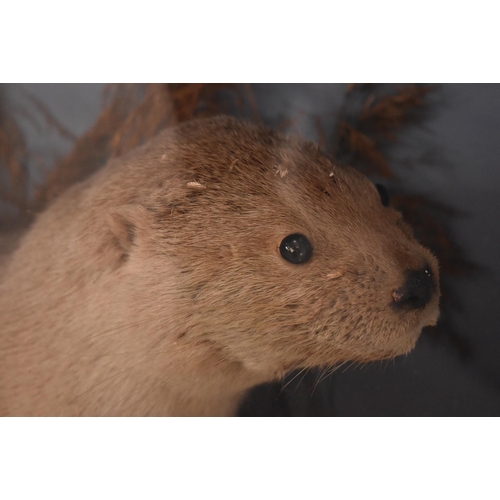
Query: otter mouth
{"type": "Point", "coordinates": [432, 318]}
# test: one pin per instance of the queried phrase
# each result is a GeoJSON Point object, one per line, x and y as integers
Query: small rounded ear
{"type": "Point", "coordinates": [125, 224]}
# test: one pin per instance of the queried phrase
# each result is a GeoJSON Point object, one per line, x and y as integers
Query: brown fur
{"type": "Point", "coordinates": [156, 286]}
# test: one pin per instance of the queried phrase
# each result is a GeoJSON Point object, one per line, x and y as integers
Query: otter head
{"type": "Point", "coordinates": [258, 246]}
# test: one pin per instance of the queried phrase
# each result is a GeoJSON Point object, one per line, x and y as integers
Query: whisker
{"type": "Point", "coordinates": [321, 376]}
{"type": "Point", "coordinates": [302, 379]}
{"type": "Point", "coordinates": [290, 381]}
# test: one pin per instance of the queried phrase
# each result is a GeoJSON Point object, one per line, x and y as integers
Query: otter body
{"type": "Point", "coordinates": [159, 287]}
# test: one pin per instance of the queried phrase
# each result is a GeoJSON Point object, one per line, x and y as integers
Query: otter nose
{"type": "Point", "coordinates": [417, 290]}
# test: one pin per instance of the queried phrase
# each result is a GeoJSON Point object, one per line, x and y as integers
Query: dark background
{"type": "Point", "coordinates": [454, 157]}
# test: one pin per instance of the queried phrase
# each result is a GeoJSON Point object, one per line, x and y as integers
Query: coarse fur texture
{"type": "Point", "coordinates": [156, 287]}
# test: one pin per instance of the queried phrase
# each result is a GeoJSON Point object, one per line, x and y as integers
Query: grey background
{"type": "Point", "coordinates": [464, 135]}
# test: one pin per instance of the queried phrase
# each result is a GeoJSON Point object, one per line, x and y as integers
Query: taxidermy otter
{"type": "Point", "coordinates": [218, 256]}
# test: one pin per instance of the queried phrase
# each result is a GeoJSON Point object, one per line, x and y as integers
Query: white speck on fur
{"type": "Point", "coordinates": [195, 185]}
{"type": "Point", "coordinates": [334, 275]}
{"type": "Point", "coordinates": [281, 172]}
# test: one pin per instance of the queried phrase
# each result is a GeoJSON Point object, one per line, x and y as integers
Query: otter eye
{"type": "Point", "coordinates": [384, 195]}
{"type": "Point", "coordinates": [296, 248]}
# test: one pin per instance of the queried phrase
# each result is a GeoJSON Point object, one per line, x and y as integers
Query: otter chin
{"type": "Point", "coordinates": [218, 256]}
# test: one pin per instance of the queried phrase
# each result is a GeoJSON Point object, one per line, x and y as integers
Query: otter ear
{"type": "Point", "coordinates": [126, 224]}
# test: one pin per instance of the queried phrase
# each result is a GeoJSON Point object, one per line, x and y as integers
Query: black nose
{"type": "Point", "coordinates": [417, 290]}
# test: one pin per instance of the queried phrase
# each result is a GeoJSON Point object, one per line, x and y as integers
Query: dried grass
{"type": "Point", "coordinates": [13, 172]}
{"type": "Point", "coordinates": [369, 118]}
